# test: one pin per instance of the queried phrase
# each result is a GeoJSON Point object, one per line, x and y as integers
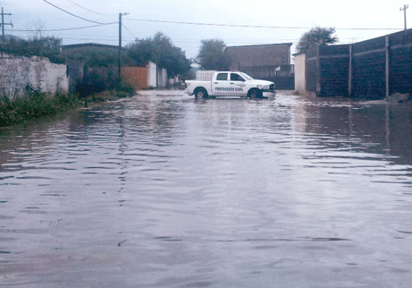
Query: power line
{"type": "Point", "coordinates": [64, 29]}
{"type": "Point", "coordinates": [75, 15]}
{"type": "Point", "coordinates": [85, 8]}
{"type": "Point", "coordinates": [248, 26]}
{"type": "Point", "coordinates": [129, 31]}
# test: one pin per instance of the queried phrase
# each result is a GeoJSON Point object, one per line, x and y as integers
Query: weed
{"type": "Point", "coordinates": [33, 104]}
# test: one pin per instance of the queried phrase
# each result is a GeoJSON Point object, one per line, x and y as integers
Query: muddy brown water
{"type": "Point", "coordinates": [167, 191]}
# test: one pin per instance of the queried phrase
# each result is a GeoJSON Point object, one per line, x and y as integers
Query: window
{"type": "Point", "coordinates": [236, 77]}
{"type": "Point", "coordinates": [222, 76]}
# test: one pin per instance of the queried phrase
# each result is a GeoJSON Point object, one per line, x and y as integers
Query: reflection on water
{"type": "Point", "coordinates": [166, 191]}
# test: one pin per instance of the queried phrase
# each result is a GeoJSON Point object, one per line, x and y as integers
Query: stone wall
{"type": "Point", "coordinates": [18, 72]}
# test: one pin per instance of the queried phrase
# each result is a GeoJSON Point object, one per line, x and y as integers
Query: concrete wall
{"type": "Point", "coordinates": [368, 72]}
{"type": "Point", "coordinates": [334, 70]}
{"type": "Point", "coordinates": [401, 62]}
{"type": "Point", "coordinates": [375, 68]}
{"type": "Point", "coordinates": [151, 75]}
{"type": "Point", "coordinates": [18, 72]}
{"type": "Point", "coordinates": [311, 70]}
{"type": "Point", "coordinates": [300, 73]}
{"type": "Point", "coordinates": [162, 80]}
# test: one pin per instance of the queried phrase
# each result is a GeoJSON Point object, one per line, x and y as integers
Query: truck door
{"type": "Point", "coordinates": [237, 83]}
{"type": "Point", "coordinates": [221, 85]}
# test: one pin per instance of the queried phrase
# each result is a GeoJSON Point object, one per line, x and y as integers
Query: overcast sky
{"type": "Point", "coordinates": [28, 14]}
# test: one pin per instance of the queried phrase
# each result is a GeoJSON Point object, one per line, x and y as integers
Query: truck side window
{"type": "Point", "coordinates": [236, 77]}
{"type": "Point", "coordinates": [222, 76]}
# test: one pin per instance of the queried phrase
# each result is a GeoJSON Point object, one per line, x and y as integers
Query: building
{"type": "Point", "coordinates": [269, 62]}
{"type": "Point", "coordinates": [83, 67]}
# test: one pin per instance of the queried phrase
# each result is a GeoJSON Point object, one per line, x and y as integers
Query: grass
{"type": "Point", "coordinates": [32, 105]}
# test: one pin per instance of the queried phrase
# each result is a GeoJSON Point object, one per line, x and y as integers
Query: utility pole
{"type": "Point", "coordinates": [120, 47]}
{"type": "Point", "coordinates": [404, 10]}
{"type": "Point", "coordinates": [2, 22]}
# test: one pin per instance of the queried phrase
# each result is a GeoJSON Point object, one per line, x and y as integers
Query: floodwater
{"type": "Point", "coordinates": [168, 191]}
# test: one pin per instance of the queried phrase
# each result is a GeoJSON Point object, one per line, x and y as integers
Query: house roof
{"type": "Point", "coordinates": [90, 45]}
{"type": "Point", "coordinates": [260, 45]}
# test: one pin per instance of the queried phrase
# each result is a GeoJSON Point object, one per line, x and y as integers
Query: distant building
{"type": "Point", "coordinates": [79, 67]}
{"type": "Point", "coordinates": [261, 61]}
{"type": "Point", "coordinates": [269, 62]}
{"type": "Point", "coordinates": [77, 59]}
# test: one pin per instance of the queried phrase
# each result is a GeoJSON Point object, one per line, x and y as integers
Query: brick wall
{"type": "Point", "coordinates": [137, 76]}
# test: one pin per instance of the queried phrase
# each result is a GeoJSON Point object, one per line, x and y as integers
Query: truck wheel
{"type": "Point", "coordinates": [201, 93]}
{"type": "Point", "coordinates": [255, 94]}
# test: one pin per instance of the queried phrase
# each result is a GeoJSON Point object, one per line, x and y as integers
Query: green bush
{"type": "Point", "coordinates": [33, 104]}
{"type": "Point", "coordinates": [92, 85]}
{"type": "Point", "coordinates": [45, 47]}
{"type": "Point", "coordinates": [126, 87]}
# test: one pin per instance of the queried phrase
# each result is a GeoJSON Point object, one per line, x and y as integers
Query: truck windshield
{"type": "Point", "coordinates": [246, 76]}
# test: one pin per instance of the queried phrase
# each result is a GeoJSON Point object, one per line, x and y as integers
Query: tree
{"type": "Point", "coordinates": [36, 28]}
{"type": "Point", "coordinates": [316, 37]}
{"type": "Point", "coordinates": [212, 55]}
{"type": "Point", "coordinates": [46, 47]}
{"type": "Point", "coordinates": [161, 51]}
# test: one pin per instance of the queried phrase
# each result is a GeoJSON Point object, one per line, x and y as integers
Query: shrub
{"type": "Point", "coordinates": [33, 104]}
{"type": "Point", "coordinates": [45, 47]}
{"type": "Point", "coordinates": [126, 87]}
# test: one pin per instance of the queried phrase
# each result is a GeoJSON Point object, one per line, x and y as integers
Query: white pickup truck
{"type": "Point", "coordinates": [228, 83]}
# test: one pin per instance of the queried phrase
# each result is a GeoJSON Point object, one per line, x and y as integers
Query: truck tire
{"type": "Point", "coordinates": [200, 93]}
{"type": "Point", "coordinates": [254, 94]}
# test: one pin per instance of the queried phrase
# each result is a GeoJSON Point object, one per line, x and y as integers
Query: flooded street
{"type": "Point", "coordinates": [167, 191]}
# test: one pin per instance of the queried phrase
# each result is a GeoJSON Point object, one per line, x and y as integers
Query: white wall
{"type": "Point", "coordinates": [162, 78]}
{"type": "Point", "coordinates": [174, 80]}
{"type": "Point", "coordinates": [156, 77]}
{"type": "Point", "coordinates": [16, 72]}
{"type": "Point", "coordinates": [300, 73]}
{"type": "Point", "coordinates": [151, 74]}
